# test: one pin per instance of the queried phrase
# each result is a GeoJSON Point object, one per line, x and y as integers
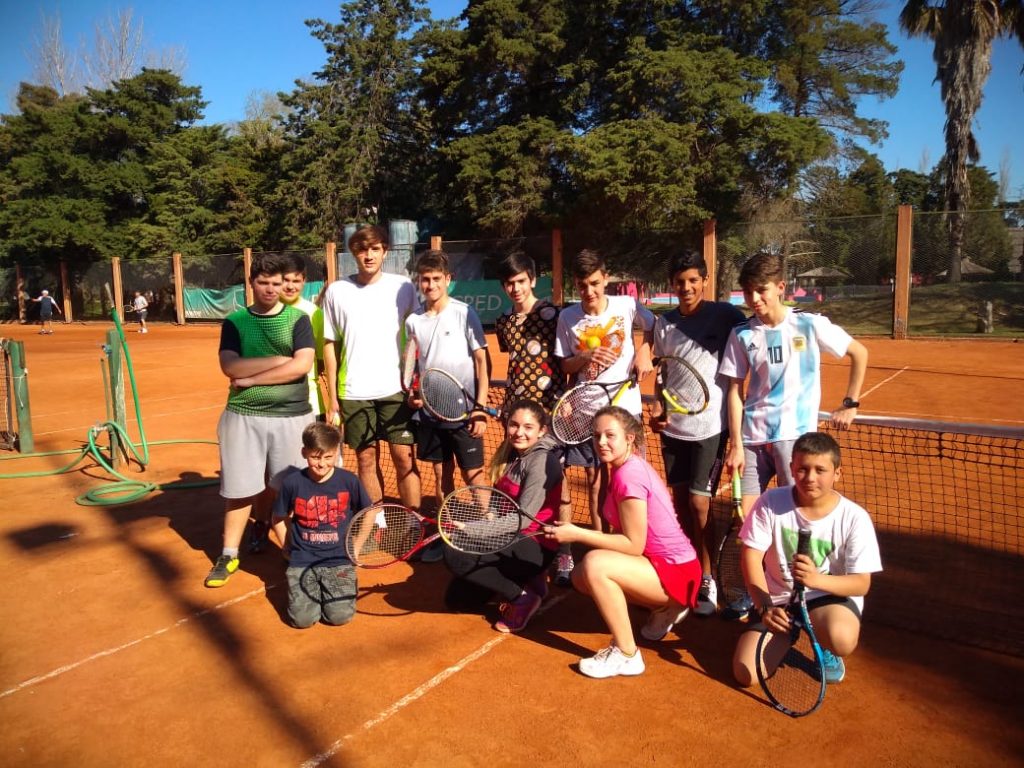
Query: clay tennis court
{"type": "Point", "coordinates": [114, 654]}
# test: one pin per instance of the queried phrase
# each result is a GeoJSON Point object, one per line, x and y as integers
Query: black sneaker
{"type": "Point", "coordinates": [259, 537]}
{"type": "Point", "coordinates": [221, 571]}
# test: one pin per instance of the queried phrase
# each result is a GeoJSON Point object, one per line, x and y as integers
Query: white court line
{"type": "Point", "coordinates": [884, 381]}
{"type": "Point", "coordinates": [111, 651]}
{"type": "Point", "coordinates": [409, 698]}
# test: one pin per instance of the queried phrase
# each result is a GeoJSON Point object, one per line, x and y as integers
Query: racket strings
{"type": "Point", "coordinates": [797, 683]}
{"type": "Point", "coordinates": [443, 396]}
{"type": "Point", "coordinates": [383, 534]}
{"type": "Point", "coordinates": [479, 520]}
{"type": "Point", "coordinates": [573, 419]}
{"type": "Point", "coordinates": [682, 388]}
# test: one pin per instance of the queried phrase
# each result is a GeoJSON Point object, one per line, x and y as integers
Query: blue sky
{"type": "Point", "coordinates": [235, 48]}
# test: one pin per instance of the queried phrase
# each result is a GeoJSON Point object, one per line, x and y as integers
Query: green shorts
{"type": "Point", "coordinates": [386, 418]}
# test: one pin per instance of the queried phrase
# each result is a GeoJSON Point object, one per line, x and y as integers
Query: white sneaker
{"type": "Point", "coordinates": [662, 620]}
{"type": "Point", "coordinates": [707, 597]}
{"type": "Point", "coordinates": [610, 661]}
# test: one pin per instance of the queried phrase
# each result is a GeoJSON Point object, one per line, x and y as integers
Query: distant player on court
{"type": "Point", "coordinates": [364, 316]}
{"type": "Point", "coordinates": [311, 515]}
{"type": "Point", "coordinates": [693, 446]}
{"type": "Point", "coordinates": [595, 343]}
{"type": "Point", "coordinates": [527, 334]}
{"type": "Point", "coordinates": [266, 351]}
{"type": "Point", "coordinates": [837, 574]}
{"type": "Point", "coordinates": [141, 308]}
{"type": "Point", "coordinates": [47, 306]}
{"type": "Point", "coordinates": [779, 350]}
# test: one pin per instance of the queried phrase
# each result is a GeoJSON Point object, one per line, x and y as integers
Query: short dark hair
{"type": "Point", "coordinates": [525, 404]}
{"type": "Point", "coordinates": [818, 444]}
{"type": "Point", "coordinates": [296, 264]}
{"type": "Point", "coordinates": [761, 269]}
{"type": "Point", "coordinates": [268, 264]}
{"type": "Point", "coordinates": [366, 236]}
{"type": "Point", "coordinates": [587, 262]}
{"type": "Point", "coordinates": [321, 436]}
{"type": "Point", "coordinates": [434, 260]}
{"type": "Point", "coordinates": [688, 259]}
{"type": "Point", "coordinates": [514, 263]}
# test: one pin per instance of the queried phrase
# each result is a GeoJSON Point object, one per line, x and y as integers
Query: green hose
{"type": "Point", "coordinates": [125, 490]}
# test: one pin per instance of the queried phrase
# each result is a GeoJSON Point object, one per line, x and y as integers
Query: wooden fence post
{"type": "Point", "coordinates": [115, 268]}
{"type": "Point", "coordinates": [557, 292]}
{"type": "Point", "coordinates": [435, 243]}
{"type": "Point", "coordinates": [19, 286]}
{"type": "Point", "coordinates": [901, 286]}
{"type": "Point", "coordinates": [179, 289]}
{"type": "Point", "coordinates": [246, 265]}
{"type": "Point", "coordinates": [65, 289]}
{"type": "Point", "coordinates": [331, 261]}
{"type": "Point", "coordinates": [711, 259]}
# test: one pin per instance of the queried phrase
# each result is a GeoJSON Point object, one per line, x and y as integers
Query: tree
{"type": "Point", "coordinates": [962, 32]}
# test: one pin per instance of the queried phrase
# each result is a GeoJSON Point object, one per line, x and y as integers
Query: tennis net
{"type": "Point", "coordinates": [946, 500]}
{"type": "Point", "coordinates": [13, 390]}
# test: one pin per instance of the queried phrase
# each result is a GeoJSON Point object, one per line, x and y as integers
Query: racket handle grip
{"type": "Point", "coordinates": [737, 486]}
{"type": "Point", "coordinates": [803, 542]}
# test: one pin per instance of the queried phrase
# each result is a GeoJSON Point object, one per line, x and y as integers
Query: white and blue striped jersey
{"type": "Point", "coordinates": [784, 364]}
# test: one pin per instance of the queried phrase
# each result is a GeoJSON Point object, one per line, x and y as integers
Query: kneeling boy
{"type": "Point", "coordinates": [836, 575]}
{"type": "Point", "coordinates": [319, 502]}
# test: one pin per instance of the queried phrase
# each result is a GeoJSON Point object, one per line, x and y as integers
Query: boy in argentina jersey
{"type": "Point", "coordinates": [266, 351]}
{"type": "Point", "coordinates": [779, 349]}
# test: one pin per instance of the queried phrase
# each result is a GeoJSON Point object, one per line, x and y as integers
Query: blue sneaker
{"type": "Point", "coordinates": [835, 669]}
{"type": "Point", "coordinates": [739, 609]}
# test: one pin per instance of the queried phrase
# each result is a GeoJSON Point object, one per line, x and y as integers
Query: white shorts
{"type": "Point", "coordinates": [258, 451]}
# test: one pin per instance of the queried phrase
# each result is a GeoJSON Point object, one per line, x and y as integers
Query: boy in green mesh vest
{"type": "Point", "coordinates": [266, 350]}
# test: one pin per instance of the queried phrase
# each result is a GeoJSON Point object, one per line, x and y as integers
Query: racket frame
{"type": "Point", "coordinates": [370, 514]}
{"type": "Point", "coordinates": [435, 372]}
{"type": "Point", "coordinates": [619, 387]}
{"type": "Point", "coordinates": [728, 591]}
{"type": "Point", "coordinates": [800, 621]}
{"type": "Point", "coordinates": [670, 403]}
{"type": "Point", "coordinates": [447, 527]}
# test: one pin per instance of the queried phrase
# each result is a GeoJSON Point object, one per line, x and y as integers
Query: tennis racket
{"type": "Point", "coordinates": [681, 387]}
{"type": "Point", "coordinates": [796, 685]}
{"type": "Point", "coordinates": [446, 399]}
{"type": "Point", "coordinates": [481, 520]}
{"type": "Point", "coordinates": [572, 419]}
{"type": "Point", "coordinates": [384, 534]}
{"type": "Point", "coordinates": [728, 572]}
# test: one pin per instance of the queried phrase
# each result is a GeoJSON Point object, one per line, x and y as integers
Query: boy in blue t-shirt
{"type": "Point", "coordinates": [319, 502]}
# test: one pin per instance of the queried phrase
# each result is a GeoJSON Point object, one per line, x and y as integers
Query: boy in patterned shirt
{"type": "Point", "coordinates": [527, 334]}
{"type": "Point", "coordinates": [266, 351]}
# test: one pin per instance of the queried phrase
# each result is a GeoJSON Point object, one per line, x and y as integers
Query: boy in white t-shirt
{"type": "Point", "coordinates": [364, 318]}
{"type": "Point", "coordinates": [594, 342]}
{"type": "Point", "coordinates": [779, 350]}
{"type": "Point", "coordinates": [836, 575]}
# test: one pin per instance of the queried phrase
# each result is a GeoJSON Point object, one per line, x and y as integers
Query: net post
{"type": "Point", "coordinates": [179, 288]}
{"type": "Point", "coordinates": [901, 286]}
{"type": "Point", "coordinates": [116, 394]}
{"type": "Point", "coordinates": [115, 268]}
{"type": "Point", "coordinates": [19, 383]}
{"type": "Point", "coordinates": [710, 247]}
{"type": "Point", "coordinates": [557, 289]}
{"type": "Point", "coordinates": [246, 267]}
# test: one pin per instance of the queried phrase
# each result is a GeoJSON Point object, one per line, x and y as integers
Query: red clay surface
{"type": "Point", "coordinates": [115, 654]}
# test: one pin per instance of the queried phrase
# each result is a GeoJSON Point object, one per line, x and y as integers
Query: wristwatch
{"type": "Point", "coordinates": [849, 402]}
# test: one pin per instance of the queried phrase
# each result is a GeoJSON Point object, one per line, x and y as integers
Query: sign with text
{"type": "Point", "coordinates": [489, 299]}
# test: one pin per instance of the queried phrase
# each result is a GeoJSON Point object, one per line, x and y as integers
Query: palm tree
{"type": "Point", "coordinates": [962, 32]}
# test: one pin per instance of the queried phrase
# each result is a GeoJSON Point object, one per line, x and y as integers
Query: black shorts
{"type": "Point", "coordinates": [696, 464]}
{"type": "Point", "coordinates": [818, 602]}
{"type": "Point", "coordinates": [435, 444]}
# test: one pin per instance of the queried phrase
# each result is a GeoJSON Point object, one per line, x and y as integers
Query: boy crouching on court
{"type": "Point", "coordinates": [319, 502]}
{"type": "Point", "coordinates": [836, 575]}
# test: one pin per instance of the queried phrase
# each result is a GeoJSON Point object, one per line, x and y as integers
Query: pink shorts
{"type": "Point", "coordinates": [680, 580]}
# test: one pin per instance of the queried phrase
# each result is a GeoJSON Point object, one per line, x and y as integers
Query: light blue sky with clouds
{"type": "Point", "coordinates": [233, 49]}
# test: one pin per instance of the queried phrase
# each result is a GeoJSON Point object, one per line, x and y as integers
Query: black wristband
{"type": "Point", "coordinates": [849, 402]}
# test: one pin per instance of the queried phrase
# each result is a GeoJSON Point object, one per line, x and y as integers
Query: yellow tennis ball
{"type": "Point", "coordinates": [593, 342]}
